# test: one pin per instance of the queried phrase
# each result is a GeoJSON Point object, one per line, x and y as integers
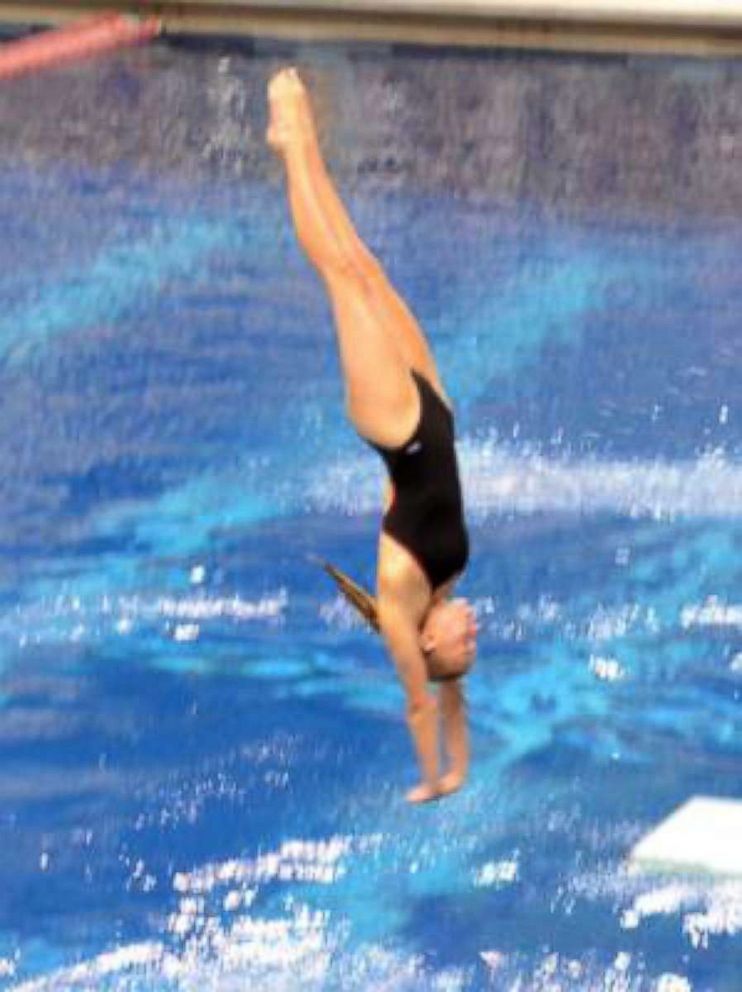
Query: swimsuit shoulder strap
{"type": "Point", "coordinates": [425, 386]}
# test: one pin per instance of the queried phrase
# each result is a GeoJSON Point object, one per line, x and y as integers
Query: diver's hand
{"type": "Point", "coordinates": [446, 784]}
{"type": "Point", "coordinates": [423, 793]}
{"type": "Point", "coordinates": [450, 782]}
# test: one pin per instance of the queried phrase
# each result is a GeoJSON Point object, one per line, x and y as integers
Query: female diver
{"type": "Point", "coordinates": [396, 402]}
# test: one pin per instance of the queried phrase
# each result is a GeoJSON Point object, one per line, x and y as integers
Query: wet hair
{"type": "Point", "coordinates": [365, 605]}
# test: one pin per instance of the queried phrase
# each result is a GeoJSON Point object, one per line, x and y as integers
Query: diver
{"type": "Point", "coordinates": [396, 402]}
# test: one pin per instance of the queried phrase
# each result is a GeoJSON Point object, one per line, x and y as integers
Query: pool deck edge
{"type": "Point", "coordinates": [654, 26]}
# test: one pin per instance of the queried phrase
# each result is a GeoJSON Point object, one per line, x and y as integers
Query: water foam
{"type": "Point", "coordinates": [218, 939]}
{"type": "Point", "coordinates": [73, 618]}
{"type": "Point", "coordinates": [227, 933]}
{"type": "Point", "coordinates": [498, 479]}
{"type": "Point", "coordinates": [704, 907]}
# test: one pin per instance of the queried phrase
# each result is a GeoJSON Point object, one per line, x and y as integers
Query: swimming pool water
{"type": "Point", "coordinates": [203, 756]}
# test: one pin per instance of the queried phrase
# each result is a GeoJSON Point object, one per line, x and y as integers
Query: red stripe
{"type": "Point", "coordinates": [83, 39]}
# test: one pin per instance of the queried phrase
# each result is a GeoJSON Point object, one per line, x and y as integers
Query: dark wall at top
{"type": "Point", "coordinates": [568, 133]}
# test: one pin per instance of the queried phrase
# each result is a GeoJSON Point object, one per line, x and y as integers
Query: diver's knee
{"type": "Point", "coordinates": [353, 268]}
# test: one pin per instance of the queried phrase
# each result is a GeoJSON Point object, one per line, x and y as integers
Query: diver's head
{"type": "Point", "coordinates": [449, 639]}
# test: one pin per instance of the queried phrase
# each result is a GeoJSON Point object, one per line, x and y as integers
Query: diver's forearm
{"type": "Point", "coordinates": [455, 730]}
{"type": "Point", "coordinates": [399, 628]}
{"type": "Point", "coordinates": [422, 721]}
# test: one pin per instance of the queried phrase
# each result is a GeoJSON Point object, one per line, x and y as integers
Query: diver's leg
{"type": "Point", "coordinates": [410, 337]}
{"type": "Point", "coordinates": [292, 135]}
{"type": "Point", "coordinates": [389, 304]}
{"type": "Point", "coordinates": [381, 400]}
{"type": "Point", "coordinates": [336, 240]}
{"type": "Point", "coordinates": [381, 397]}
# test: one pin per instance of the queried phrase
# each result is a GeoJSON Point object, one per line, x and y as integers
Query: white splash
{"type": "Point", "coordinates": [7, 967]}
{"type": "Point", "coordinates": [88, 974]}
{"type": "Point", "coordinates": [296, 860]}
{"type": "Point", "coordinates": [197, 575]}
{"type": "Point", "coordinates": [205, 950]}
{"type": "Point", "coordinates": [498, 479]}
{"type": "Point", "coordinates": [705, 909]}
{"type": "Point", "coordinates": [720, 916]}
{"type": "Point", "coordinates": [670, 982]}
{"type": "Point", "coordinates": [60, 617]}
{"type": "Point", "coordinates": [497, 873]}
{"type": "Point", "coordinates": [185, 632]}
{"type": "Point", "coordinates": [712, 613]}
{"type": "Point", "coordinates": [206, 608]}
{"type": "Point", "coordinates": [606, 669]}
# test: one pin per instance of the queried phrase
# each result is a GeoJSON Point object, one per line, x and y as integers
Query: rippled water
{"type": "Point", "coordinates": [203, 755]}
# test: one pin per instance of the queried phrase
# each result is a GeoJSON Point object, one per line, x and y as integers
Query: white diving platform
{"type": "Point", "coordinates": [704, 835]}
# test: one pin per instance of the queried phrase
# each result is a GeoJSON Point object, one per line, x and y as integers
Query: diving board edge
{"type": "Point", "coordinates": [652, 27]}
{"type": "Point", "coordinates": [702, 836]}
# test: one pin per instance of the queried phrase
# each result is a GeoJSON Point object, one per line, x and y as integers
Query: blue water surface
{"type": "Point", "coordinates": [203, 754]}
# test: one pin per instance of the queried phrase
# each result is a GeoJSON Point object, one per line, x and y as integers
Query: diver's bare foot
{"type": "Point", "coordinates": [450, 782]}
{"type": "Point", "coordinates": [422, 793]}
{"type": "Point", "coordinates": [291, 118]}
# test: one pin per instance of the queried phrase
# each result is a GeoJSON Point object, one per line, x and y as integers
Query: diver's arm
{"type": "Point", "coordinates": [455, 735]}
{"type": "Point", "coordinates": [401, 635]}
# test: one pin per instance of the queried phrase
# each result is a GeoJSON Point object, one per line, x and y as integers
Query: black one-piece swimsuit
{"type": "Point", "coordinates": [426, 515]}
